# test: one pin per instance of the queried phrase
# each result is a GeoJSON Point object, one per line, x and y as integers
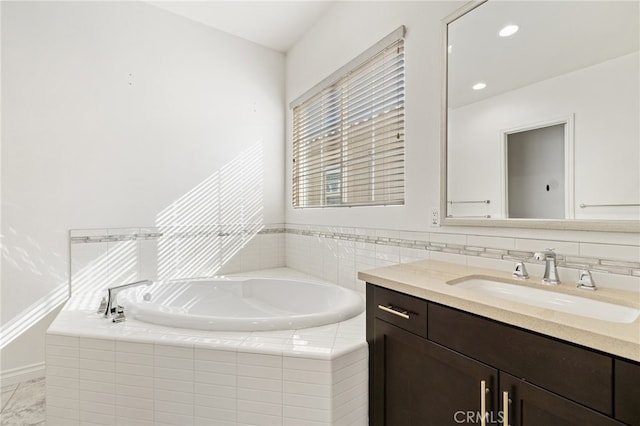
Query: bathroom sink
{"type": "Point", "coordinates": [533, 296]}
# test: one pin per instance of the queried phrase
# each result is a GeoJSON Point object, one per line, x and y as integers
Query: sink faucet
{"type": "Point", "coordinates": [110, 305]}
{"type": "Point", "coordinates": [550, 269]}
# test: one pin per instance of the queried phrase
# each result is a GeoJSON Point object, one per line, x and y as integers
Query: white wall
{"type": "Point", "coordinates": [604, 101]}
{"type": "Point", "coordinates": [112, 111]}
{"type": "Point", "coordinates": [376, 236]}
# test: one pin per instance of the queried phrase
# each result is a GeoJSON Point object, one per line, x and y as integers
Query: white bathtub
{"type": "Point", "coordinates": [137, 372]}
{"type": "Point", "coordinates": [241, 304]}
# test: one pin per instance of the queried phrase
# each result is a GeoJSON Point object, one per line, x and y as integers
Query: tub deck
{"type": "Point", "coordinates": [132, 373]}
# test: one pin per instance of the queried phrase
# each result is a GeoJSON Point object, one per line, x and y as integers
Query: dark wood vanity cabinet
{"type": "Point", "coordinates": [432, 365]}
{"type": "Point", "coordinates": [423, 380]}
{"type": "Point", "coordinates": [531, 405]}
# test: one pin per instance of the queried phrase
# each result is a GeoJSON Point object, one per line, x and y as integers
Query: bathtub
{"type": "Point", "coordinates": [241, 304]}
{"type": "Point", "coordinates": [137, 372]}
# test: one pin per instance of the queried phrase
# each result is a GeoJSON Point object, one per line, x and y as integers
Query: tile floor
{"type": "Point", "coordinates": [23, 403]}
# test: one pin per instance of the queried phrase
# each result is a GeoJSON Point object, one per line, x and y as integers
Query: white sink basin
{"type": "Point", "coordinates": [551, 300]}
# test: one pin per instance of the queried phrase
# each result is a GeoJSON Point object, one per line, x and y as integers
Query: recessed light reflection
{"type": "Point", "coordinates": [509, 30]}
{"type": "Point", "coordinates": [449, 48]}
{"type": "Point", "coordinates": [479, 86]}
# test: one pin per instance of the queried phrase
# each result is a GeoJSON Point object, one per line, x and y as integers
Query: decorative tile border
{"type": "Point", "coordinates": [77, 236]}
{"type": "Point", "coordinates": [611, 266]}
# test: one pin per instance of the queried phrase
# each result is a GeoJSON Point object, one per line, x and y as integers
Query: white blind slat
{"type": "Point", "coordinates": [348, 137]}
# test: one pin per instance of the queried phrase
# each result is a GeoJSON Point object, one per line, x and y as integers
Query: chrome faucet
{"type": "Point", "coordinates": [550, 269]}
{"type": "Point", "coordinates": [109, 306]}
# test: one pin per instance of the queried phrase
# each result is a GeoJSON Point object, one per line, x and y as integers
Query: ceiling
{"type": "Point", "coordinates": [277, 25]}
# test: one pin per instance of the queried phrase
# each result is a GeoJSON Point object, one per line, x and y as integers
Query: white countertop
{"type": "Point", "coordinates": [429, 279]}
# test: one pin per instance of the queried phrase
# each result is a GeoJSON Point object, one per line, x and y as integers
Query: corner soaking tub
{"type": "Point", "coordinates": [241, 304]}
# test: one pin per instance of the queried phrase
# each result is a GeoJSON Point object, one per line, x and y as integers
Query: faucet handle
{"type": "Point", "coordinates": [103, 306]}
{"type": "Point", "coordinates": [520, 271]}
{"type": "Point", "coordinates": [585, 280]}
{"type": "Point", "coordinates": [119, 317]}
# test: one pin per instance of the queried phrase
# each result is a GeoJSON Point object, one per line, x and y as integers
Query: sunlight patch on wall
{"type": "Point", "coordinates": [208, 225]}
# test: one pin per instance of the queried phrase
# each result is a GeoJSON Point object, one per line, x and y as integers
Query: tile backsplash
{"type": "Point", "coordinates": [104, 257]}
{"type": "Point", "coordinates": [337, 253]}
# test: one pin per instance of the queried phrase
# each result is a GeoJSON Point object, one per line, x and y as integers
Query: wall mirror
{"type": "Point", "coordinates": [541, 115]}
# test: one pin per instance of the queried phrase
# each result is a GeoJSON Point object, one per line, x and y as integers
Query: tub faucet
{"type": "Point", "coordinates": [109, 306]}
{"type": "Point", "coordinates": [550, 268]}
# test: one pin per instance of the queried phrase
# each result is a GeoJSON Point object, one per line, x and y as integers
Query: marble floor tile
{"type": "Point", "coordinates": [26, 406]}
{"type": "Point", "coordinates": [7, 393]}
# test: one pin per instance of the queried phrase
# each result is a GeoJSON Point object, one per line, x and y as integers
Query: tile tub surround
{"type": "Point", "coordinates": [428, 279]}
{"type": "Point", "coordinates": [138, 373]}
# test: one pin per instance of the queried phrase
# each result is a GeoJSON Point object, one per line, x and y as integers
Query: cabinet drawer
{"type": "Point", "coordinates": [404, 311]}
{"type": "Point", "coordinates": [576, 373]}
{"type": "Point", "coordinates": [627, 392]}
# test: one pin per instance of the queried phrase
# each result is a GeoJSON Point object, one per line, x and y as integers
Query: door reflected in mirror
{"type": "Point", "coordinates": [543, 111]}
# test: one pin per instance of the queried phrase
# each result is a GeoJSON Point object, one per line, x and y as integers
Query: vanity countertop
{"type": "Point", "coordinates": [428, 279]}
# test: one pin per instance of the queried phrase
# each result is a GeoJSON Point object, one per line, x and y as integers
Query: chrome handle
{"type": "Point", "coordinates": [391, 310]}
{"type": "Point", "coordinates": [505, 408]}
{"type": "Point", "coordinates": [484, 390]}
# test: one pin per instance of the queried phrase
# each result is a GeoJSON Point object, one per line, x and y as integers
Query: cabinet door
{"type": "Point", "coordinates": [530, 405]}
{"type": "Point", "coordinates": [417, 382]}
{"type": "Point", "coordinates": [627, 392]}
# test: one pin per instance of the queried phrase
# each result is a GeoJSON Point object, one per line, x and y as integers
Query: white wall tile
{"type": "Point", "coordinates": [216, 378]}
{"type": "Point", "coordinates": [133, 415]}
{"type": "Point", "coordinates": [61, 340]}
{"type": "Point", "coordinates": [308, 376]}
{"type": "Point", "coordinates": [62, 351]}
{"type": "Point", "coordinates": [304, 414]}
{"type": "Point", "coordinates": [227, 403]}
{"type": "Point", "coordinates": [491, 242]}
{"type": "Point", "coordinates": [260, 372]}
{"type": "Point", "coordinates": [97, 344]}
{"type": "Point", "coordinates": [259, 360]}
{"type": "Point", "coordinates": [132, 380]}
{"type": "Point", "coordinates": [610, 251]}
{"type": "Point", "coordinates": [448, 257]}
{"type": "Point", "coordinates": [168, 406]}
{"type": "Point", "coordinates": [249, 418]}
{"type": "Point", "coordinates": [144, 392]}
{"type": "Point", "coordinates": [486, 262]}
{"type": "Point", "coordinates": [561, 247]}
{"type": "Point", "coordinates": [301, 388]}
{"type": "Point", "coordinates": [306, 401]}
{"type": "Point", "coordinates": [170, 418]}
{"type": "Point", "coordinates": [459, 239]}
{"type": "Point", "coordinates": [260, 383]}
{"type": "Point", "coordinates": [306, 364]}
{"type": "Point", "coordinates": [207, 389]}
{"type": "Point", "coordinates": [259, 395]}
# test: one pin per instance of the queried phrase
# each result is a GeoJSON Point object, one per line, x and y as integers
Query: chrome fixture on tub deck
{"type": "Point", "coordinates": [550, 269]}
{"type": "Point", "coordinates": [109, 306]}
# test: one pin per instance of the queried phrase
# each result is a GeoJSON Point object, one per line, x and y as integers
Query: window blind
{"type": "Point", "coordinates": [348, 138]}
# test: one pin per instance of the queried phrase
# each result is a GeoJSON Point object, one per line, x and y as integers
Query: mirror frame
{"type": "Point", "coordinates": [566, 224]}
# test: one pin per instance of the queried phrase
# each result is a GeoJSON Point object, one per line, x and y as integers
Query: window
{"type": "Point", "coordinates": [348, 133]}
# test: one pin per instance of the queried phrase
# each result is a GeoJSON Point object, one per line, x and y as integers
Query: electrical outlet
{"type": "Point", "coordinates": [435, 217]}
